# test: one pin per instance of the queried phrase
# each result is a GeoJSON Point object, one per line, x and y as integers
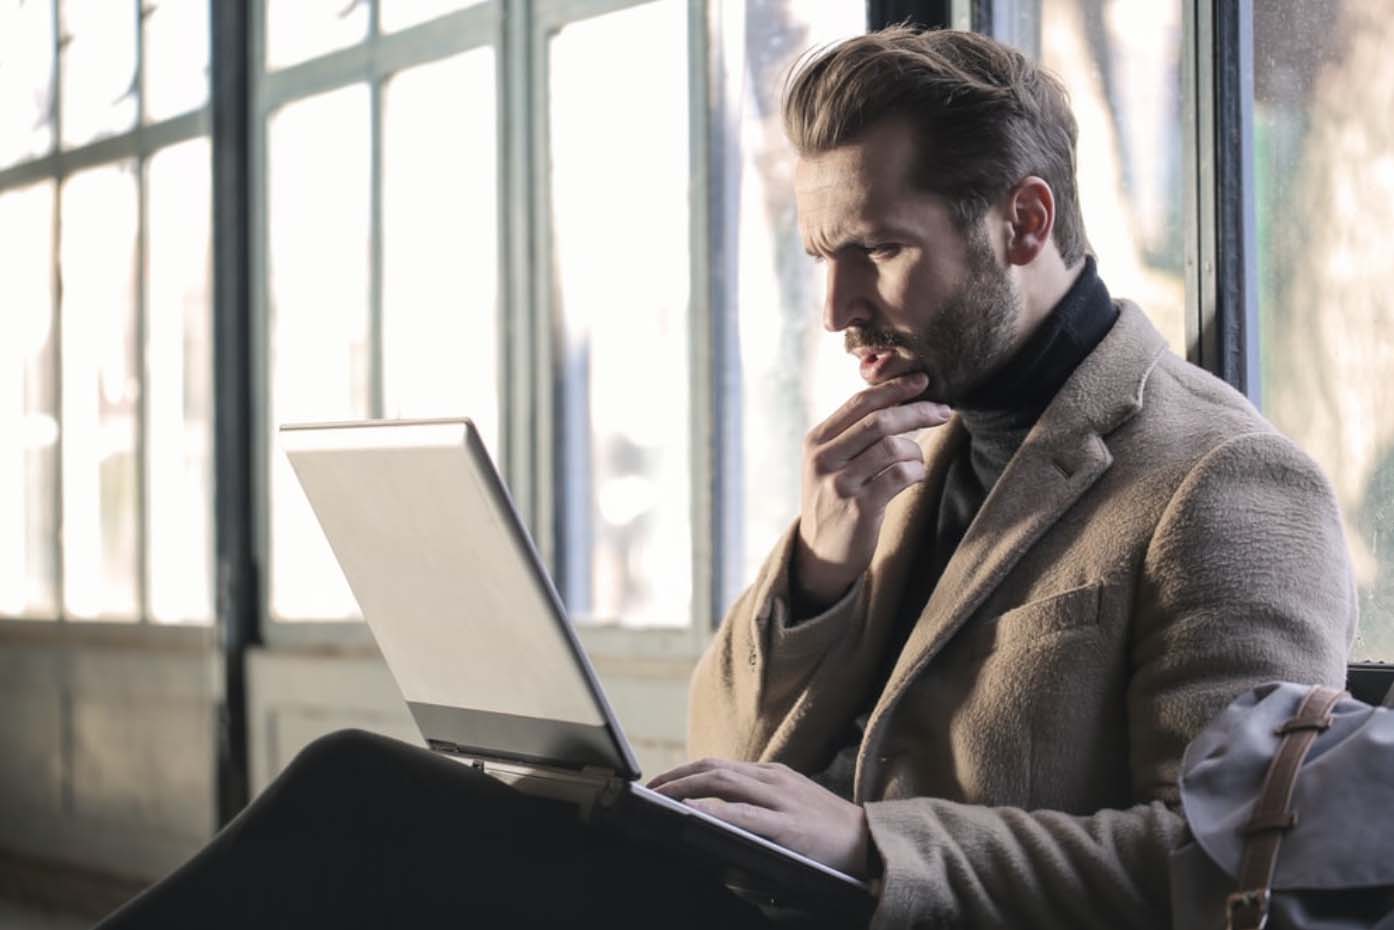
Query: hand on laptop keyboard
{"type": "Point", "coordinates": [776, 802]}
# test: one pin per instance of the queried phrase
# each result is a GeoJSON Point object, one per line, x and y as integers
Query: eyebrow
{"type": "Point", "coordinates": [877, 234]}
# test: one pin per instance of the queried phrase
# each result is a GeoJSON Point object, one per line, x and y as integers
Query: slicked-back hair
{"type": "Point", "coordinates": [984, 117]}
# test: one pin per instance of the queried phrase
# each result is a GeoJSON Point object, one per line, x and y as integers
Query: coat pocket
{"type": "Point", "coordinates": [1075, 609]}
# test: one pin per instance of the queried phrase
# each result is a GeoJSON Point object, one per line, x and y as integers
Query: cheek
{"type": "Point", "coordinates": [917, 292]}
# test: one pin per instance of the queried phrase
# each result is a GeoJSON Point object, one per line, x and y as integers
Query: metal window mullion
{"type": "Point", "coordinates": [259, 349]}
{"type": "Point", "coordinates": [1222, 325]}
{"type": "Point", "coordinates": [1236, 252]}
{"type": "Point", "coordinates": [715, 56]}
{"type": "Point", "coordinates": [1195, 60]}
{"type": "Point", "coordinates": [924, 14]}
{"type": "Point", "coordinates": [376, 384]}
{"type": "Point", "coordinates": [238, 475]}
{"type": "Point", "coordinates": [553, 14]}
{"type": "Point", "coordinates": [135, 143]}
{"type": "Point", "coordinates": [376, 56]}
{"type": "Point", "coordinates": [517, 309]}
{"type": "Point", "coordinates": [142, 445]}
{"type": "Point", "coordinates": [56, 295]}
{"type": "Point", "coordinates": [543, 319]}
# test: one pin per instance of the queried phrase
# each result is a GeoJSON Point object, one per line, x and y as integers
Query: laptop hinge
{"type": "Point", "coordinates": [610, 793]}
{"type": "Point", "coordinates": [589, 786]}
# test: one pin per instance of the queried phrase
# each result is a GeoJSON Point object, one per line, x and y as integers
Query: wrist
{"type": "Point", "coordinates": [808, 600]}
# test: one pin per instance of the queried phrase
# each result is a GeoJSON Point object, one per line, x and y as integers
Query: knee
{"type": "Point", "coordinates": [340, 751]}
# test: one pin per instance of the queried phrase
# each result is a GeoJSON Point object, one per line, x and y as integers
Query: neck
{"type": "Point", "coordinates": [1021, 389]}
{"type": "Point", "coordinates": [1043, 284]}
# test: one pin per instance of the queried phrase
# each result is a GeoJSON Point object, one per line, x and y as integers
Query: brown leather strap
{"type": "Point", "coordinates": [1247, 908]}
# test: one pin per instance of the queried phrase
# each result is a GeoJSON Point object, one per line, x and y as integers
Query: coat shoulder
{"type": "Point", "coordinates": [1186, 413]}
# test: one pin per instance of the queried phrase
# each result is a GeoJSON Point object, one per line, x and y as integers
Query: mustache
{"type": "Point", "coordinates": [871, 337]}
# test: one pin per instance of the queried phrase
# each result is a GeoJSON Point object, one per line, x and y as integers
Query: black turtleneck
{"type": "Point", "coordinates": [997, 416]}
{"type": "Point", "coordinates": [1001, 412]}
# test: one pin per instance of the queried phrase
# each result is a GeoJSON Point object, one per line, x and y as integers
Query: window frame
{"type": "Point", "coordinates": [528, 323]}
{"type": "Point", "coordinates": [137, 145]}
{"type": "Point", "coordinates": [373, 61]}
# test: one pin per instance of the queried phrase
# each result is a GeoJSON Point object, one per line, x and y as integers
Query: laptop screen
{"type": "Point", "coordinates": [451, 587]}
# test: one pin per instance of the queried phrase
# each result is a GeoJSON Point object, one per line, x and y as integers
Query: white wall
{"type": "Point", "coordinates": [107, 747]}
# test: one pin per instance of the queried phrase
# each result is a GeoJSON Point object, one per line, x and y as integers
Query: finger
{"type": "Point", "coordinates": [754, 769]}
{"type": "Point", "coordinates": [881, 455]}
{"type": "Point", "coordinates": [876, 426]}
{"type": "Point", "coordinates": [895, 391]}
{"type": "Point", "coordinates": [878, 492]}
{"type": "Point", "coordinates": [687, 768]}
{"type": "Point", "coordinates": [749, 817]}
{"type": "Point", "coordinates": [726, 784]}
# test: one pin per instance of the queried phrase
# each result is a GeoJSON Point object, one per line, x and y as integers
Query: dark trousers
{"type": "Point", "coordinates": [364, 831]}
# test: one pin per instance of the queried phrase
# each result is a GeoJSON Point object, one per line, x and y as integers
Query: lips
{"type": "Point", "coordinates": [881, 365]}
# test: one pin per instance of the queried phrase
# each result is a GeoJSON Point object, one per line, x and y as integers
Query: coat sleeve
{"type": "Point", "coordinates": [1246, 580]}
{"type": "Point", "coordinates": [755, 674]}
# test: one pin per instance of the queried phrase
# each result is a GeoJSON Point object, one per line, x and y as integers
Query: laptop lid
{"type": "Point", "coordinates": [453, 590]}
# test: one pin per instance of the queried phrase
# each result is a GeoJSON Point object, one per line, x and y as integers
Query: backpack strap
{"type": "Point", "coordinates": [1247, 908]}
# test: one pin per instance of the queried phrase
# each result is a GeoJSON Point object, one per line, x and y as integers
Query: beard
{"type": "Point", "coordinates": [971, 334]}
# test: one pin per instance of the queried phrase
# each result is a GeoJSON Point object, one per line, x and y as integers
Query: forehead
{"type": "Point", "coordinates": [865, 182]}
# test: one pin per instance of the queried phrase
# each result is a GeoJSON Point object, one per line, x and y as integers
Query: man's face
{"type": "Point", "coordinates": [911, 291]}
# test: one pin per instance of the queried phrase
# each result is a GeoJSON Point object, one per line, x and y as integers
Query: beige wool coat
{"type": "Point", "coordinates": [1153, 549]}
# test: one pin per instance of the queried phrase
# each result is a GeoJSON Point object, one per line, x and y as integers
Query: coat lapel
{"type": "Point", "coordinates": [1062, 457]}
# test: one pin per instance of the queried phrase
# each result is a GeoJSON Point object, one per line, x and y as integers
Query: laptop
{"type": "Point", "coordinates": [477, 638]}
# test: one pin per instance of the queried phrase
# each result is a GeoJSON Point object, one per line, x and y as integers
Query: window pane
{"type": "Point", "coordinates": [1324, 166]}
{"type": "Point", "coordinates": [26, 79]}
{"type": "Point", "coordinates": [398, 14]}
{"type": "Point", "coordinates": [28, 457]}
{"type": "Point", "coordinates": [175, 57]}
{"type": "Point", "coordinates": [99, 68]}
{"type": "Point", "coordinates": [301, 29]}
{"type": "Point", "coordinates": [318, 241]}
{"type": "Point", "coordinates": [619, 188]}
{"type": "Point", "coordinates": [440, 229]}
{"type": "Point", "coordinates": [101, 393]}
{"type": "Point", "coordinates": [1120, 60]}
{"type": "Point", "coordinates": [179, 389]}
{"type": "Point", "coordinates": [793, 374]}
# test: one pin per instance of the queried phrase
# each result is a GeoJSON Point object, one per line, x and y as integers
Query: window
{"type": "Point", "coordinates": [1324, 167]}
{"type": "Point", "coordinates": [381, 230]}
{"type": "Point", "coordinates": [104, 210]}
{"type": "Point", "coordinates": [1121, 63]}
{"type": "Point", "coordinates": [793, 374]}
{"type": "Point", "coordinates": [620, 256]}
{"type": "Point", "coordinates": [378, 227]}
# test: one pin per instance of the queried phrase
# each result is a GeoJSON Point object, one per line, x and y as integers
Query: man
{"type": "Point", "coordinates": [986, 650]}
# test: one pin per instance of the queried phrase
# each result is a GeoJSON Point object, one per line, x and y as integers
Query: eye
{"type": "Point", "coordinates": [884, 250]}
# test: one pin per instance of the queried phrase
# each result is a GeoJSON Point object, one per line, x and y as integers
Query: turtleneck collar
{"type": "Point", "coordinates": [1015, 397]}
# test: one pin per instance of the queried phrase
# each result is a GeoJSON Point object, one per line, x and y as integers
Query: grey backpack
{"type": "Point", "coordinates": [1289, 797]}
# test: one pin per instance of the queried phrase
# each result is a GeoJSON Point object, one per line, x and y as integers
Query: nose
{"type": "Point", "coordinates": [844, 304]}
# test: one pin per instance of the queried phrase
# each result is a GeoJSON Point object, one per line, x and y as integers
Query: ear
{"type": "Point", "coordinates": [1030, 213]}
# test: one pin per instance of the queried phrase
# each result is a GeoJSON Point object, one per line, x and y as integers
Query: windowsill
{"type": "Point", "coordinates": [603, 644]}
{"type": "Point", "coordinates": [109, 633]}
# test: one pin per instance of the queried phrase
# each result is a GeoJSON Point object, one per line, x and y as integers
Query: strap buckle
{"type": "Point", "coordinates": [1247, 910]}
